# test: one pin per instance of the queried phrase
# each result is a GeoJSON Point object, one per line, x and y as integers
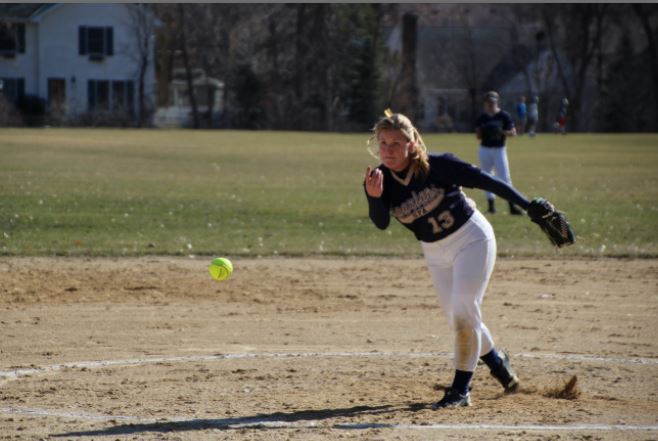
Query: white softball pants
{"type": "Point", "coordinates": [460, 266]}
{"type": "Point", "coordinates": [494, 161]}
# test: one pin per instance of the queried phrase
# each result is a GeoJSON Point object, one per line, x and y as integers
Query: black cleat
{"type": "Point", "coordinates": [452, 398]}
{"type": "Point", "coordinates": [492, 206]}
{"type": "Point", "coordinates": [505, 375]}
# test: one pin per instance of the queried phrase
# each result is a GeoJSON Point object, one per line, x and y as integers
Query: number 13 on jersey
{"type": "Point", "coordinates": [441, 222]}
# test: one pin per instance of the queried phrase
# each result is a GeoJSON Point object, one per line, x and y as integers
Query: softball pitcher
{"type": "Point", "coordinates": [423, 192]}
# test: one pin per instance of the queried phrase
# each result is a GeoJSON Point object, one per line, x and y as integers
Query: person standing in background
{"type": "Point", "coordinates": [561, 121]}
{"type": "Point", "coordinates": [493, 127]}
{"type": "Point", "coordinates": [521, 113]}
{"type": "Point", "coordinates": [533, 116]}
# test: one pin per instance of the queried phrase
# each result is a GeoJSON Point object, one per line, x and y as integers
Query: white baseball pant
{"type": "Point", "coordinates": [460, 266]}
{"type": "Point", "coordinates": [494, 161]}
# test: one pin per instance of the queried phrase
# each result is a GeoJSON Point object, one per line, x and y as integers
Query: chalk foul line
{"type": "Point", "coordinates": [232, 423]}
{"type": "Point", "coordinates": [237, 423]}
{"type": "Point", "coordinates": [98, 364]}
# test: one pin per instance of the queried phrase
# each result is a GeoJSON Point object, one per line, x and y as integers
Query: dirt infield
{"type": "Point", "coordinates": [310, 349]}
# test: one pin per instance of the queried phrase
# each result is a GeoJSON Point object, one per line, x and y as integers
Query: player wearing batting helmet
{"type": "Point", "coordinates": [423, 192]}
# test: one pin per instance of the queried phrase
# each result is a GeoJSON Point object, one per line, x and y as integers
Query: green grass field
{"type": "Point", "coordinates": [133, 192]}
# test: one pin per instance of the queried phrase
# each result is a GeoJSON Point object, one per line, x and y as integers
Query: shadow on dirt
{"type": "Point", "coordinates": [260, 421]}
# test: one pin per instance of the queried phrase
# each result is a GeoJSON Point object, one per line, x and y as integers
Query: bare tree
{"type": "Point", "coordinates": [469, 62]}
{"type": "Point", "coordinates": [143, 24]}
{"type": "Point", "coordinates": [588, 21]}
{"type": "Point", "coordinates": [644, 14]}
{"type": "Point", "coordinates": [213, 38]}
{"type": "Point", "coordinates": [472, 71]}
{"type": "Point", "coordinates": [182, 40]}
{"type": "Point", "coordinates": [300, 56]}
{"type": "Point", "coordinates": [407, 101]}
{"type": "Point", "coordinates": [283, 66]}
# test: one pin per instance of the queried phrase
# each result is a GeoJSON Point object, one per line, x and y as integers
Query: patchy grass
{"type": "Point", "coordinates": [134, 192]}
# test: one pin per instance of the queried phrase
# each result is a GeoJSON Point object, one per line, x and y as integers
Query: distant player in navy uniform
{"type": "Point", "coordinates": [492, 128]}
{"type": "Point", "coordinates": [424, 193]}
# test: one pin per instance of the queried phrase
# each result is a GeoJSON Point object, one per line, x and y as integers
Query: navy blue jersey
{"type": "Point", "coordinates": [492, 128]}
{"type": "Point", "coordinates": [434, 206]}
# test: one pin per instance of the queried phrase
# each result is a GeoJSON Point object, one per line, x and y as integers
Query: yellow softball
{"type": "Point", "coordinates": [220, 268]}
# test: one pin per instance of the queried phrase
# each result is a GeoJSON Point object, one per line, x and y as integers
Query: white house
{"type": "Point", "coordinates": [82, 59]}
{"type": "Point", "coordinates": [209, 94]}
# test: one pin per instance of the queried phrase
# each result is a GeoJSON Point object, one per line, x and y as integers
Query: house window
{"type": "Point", "coordinates": [12, 88]}
{"type": "Point", "coordinates": [104, 95]}
{"type": "Point", "coordinates": [122, 96]}
{"type": "Point", "coordinates": [56, 93]}
{"type": "Point", "coordinates": [12, 39]}
{"type": "Point", "coordinates": [97, 42]}
{"type": "Point", "coordinates": [98, 95]}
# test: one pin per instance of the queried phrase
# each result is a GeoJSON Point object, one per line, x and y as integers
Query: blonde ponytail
{"type": "Point", "coordinates": [398, 121]}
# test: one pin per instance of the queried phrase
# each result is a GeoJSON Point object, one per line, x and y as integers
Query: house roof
{"type": "Point", "coordinates": [23, 11]}
{"type": "Point", "coordinates": [35, 11]}
{"type": "Point", "coordinates": [513, 62]}
{"type": "Point", "coordinates": [446, 55]}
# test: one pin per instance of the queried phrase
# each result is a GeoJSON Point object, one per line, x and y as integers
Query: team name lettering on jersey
{"type": "Point", "coordinates": [434, 206]}
{"type": "Point", "coordinates": [419, 205]}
